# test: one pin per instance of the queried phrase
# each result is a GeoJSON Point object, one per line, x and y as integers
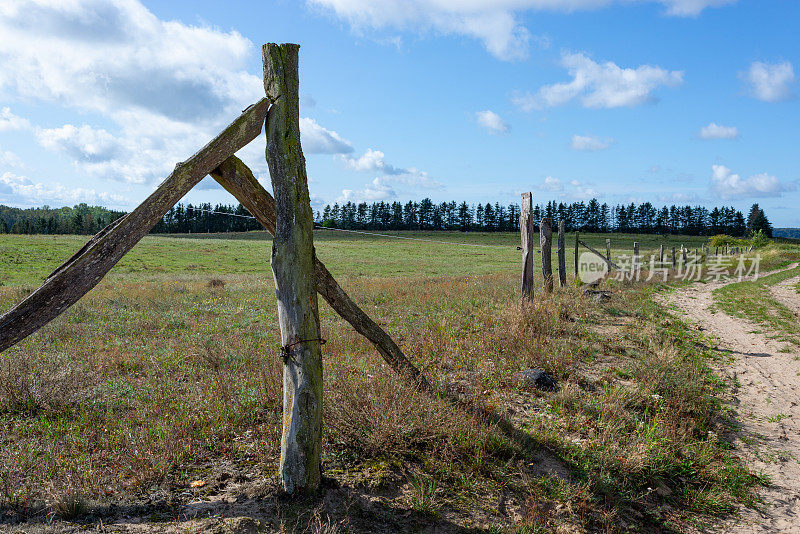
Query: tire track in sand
{"type": "Point", "coordinates": [765, 397]}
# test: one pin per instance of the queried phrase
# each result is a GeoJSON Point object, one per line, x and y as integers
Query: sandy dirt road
{"type": "Point", "coordinates": [765, 378]}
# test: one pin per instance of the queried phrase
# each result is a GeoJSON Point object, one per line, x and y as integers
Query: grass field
{"type": "Point", "coordinates": [160, 392]}
{"type": "Point", "coordinates": [752, 300]}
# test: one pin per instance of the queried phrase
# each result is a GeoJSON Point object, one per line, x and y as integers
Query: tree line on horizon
{"type": "Point", "coordinates": [591, 216]}
{"type": "Point", "coordinates": [425, 215]}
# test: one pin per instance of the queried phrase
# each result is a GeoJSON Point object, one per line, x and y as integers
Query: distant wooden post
{"type": "Point", "coordinates": [674, 260]}
{"type": "Point", "coordinates": [683, 255]}
{"type": "Point", "coordinates": [608, 253]}
{"type": "Point", "coordinates": [293, 269]}
{"type": "Point", "coordinates": [661, 255]}
{"type": "Point", "coordinates": [636, 259]}
{"type": "Point", "coordinates": [577, 241]}
{"type": "Point", "coordinates": [526, 235]}
{"type": "Point", "coordinates": [546, 244]}
{"type": "Point", "coordinates": [716, 251]}
{"type": "Point", "coordinates": [562, 260]}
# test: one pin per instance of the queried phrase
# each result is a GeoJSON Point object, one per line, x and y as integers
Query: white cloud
{"type": "Point", "coordinates": [81, 143]}
{"type": "Point", "coordinates": [10, 122]}
{"type": "Point", "coordinates": [167, 87]}
{"type": "Point", "coordinates": [605, 85]}
{"type": "Point", "coordinates": [492, 122]}
{"type": "Point", "coordinates": [494, 22]}
{"type": "Point", "coordinates": [375, 191]}
{"type": "Point", "coordinates": [590, 143]}
{"type": "Point", "coordinates": [318, 140]}
{"type": "Point", "coordinates": [770, 82]}
{"type": "Point", "coordinates": [9, 159]}
{"type": "Point", "coordinates": [551, 184]}
{"type": "Point", "coordinates": [372, 161]}
{"type": "Point", "coordinates": [716, 131]}
{"type": "Point", "coordinates": [727, 185]}
{"type": "Point", "coordinates": [25, 191]}
{"type": "Point", "coordinates": [411, 184]}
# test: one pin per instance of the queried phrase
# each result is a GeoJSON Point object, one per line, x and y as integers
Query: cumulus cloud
{"type": "Point", "coordinates": [551, 184]}
{"type": "Point", "coordinates": [372, 161]}
{"type": "Point", "coordinates": [597, 85]}
{"type": "Point", "coordinates": [9, 159]}
{"type": "Point", "coordinates": [81, 143]}
{"type": "Point", "coordinates": [319, 140]}
{"type": "Point", "coordinates": [590, 143]}
{"type": "Point", "coordinates": [583, 191]}
{"type": "Point", "coordinates": [496, 23]}
{"type": "Point", "coordinates": [10, 122]}
{"type": "Point", "coordinates": [727, 185]}
{"type": "Point", "coordinates": [770, 82]}
{"type": "Point", "coordinates": [375, 191]}
{"type": "Point", "coordinates": [412, 183]}
{"type": "Point", "coordinates": [166, 86]}
{"type": "Point", "coordinates": [493, 123]}
{"type": "Point", "coordinates": [24, 190]}
{"type": "Point", "coordinates": [716, 131]}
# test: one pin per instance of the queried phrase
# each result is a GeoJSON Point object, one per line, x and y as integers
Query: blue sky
{"type": "Point", "coordinates": [687, 101]}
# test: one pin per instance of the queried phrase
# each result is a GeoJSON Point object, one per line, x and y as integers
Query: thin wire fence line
{"type": "Point", "coordinates": [320, 227]}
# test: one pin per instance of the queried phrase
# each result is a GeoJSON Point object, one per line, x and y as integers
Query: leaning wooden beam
{"type": "Point", "coordinates": [610, 263]}
{"type": "Point", "coordinates": [90, 264]}
{"type": "Point", "coordinates": [239, 181]}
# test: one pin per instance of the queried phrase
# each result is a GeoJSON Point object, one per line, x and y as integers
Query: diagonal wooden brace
{"type": "Point", "coordinates": [239, 180]}
{"type": "Point", "coordinates": [89, 265]}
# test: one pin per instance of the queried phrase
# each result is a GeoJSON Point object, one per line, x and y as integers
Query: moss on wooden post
{"type": "Point", "coordinates": [295, 281]}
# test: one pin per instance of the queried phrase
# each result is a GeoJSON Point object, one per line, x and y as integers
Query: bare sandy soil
{"type": "Point", "coordinates": [765, 395]}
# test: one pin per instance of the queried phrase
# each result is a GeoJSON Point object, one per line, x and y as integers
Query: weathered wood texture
{"type": "Point", "coordinates": [608, 253]}
{"type": "Point", "coordinates": [293, 269]}
{"type": "Point", "coordinates": [674, 260]}
{"type": "Point", "coordinates": [86, 268]}
{"type": "Point", "coordinates": [661, 254]}
{"type": "Point", "coordinates": [636, 266]}
{"type": "Point", "coordinates": [577, 241]}
{"type": "Point", "coordinates": [546, 244]}
{"type": "Point", "coordinates": [611, 264]}
{"type": "Point", "coordinates": [562, 256]}
{"type": "Point", "coordinates": [526, 236]}
{"type": "Point", "coordinates": [239, 180]}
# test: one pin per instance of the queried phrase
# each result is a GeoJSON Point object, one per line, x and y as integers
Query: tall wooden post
{"type": "Point", "coordinates": [526, 235]}
{"type": "Point", "coordinates": [683, 255]}
{"type": "Point", "coordinates": [661, 254]}
{"type": "Point", "coordinates": [546, 243]}
{"type": "Point", "coordinates": [562, 260]}
{"type": "Point", "coordinates": [293, 269]}
{"type": "Point", "coordinates": [636, 259]}
{"type": "Point", "coordinates": [608, 253]}
{"type": "Point", "coordinates": [577, 242]}
{"type": "Point", "coordinates": [674, 260]}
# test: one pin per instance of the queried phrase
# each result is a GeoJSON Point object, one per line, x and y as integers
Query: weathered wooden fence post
{"type": "Point", "coordinates": [661, 255]}
{"type": "Point", "coordinates": [636, 259]}
{"type": "Point", "coordinates": [526, 235]}
{"type": "Point", "coordinates": [608, 253]}
{"type": "Point", "coordinates": [293, 269]}
{"type": "Point", "coordinates": [674, 260]}
{"type": "Point", "coordinates": [577, 242]}
{"type": "Point", "coordinates": [683, 255]}
{"type": "Point", "coordinates": [562, 260]}
{"type": "Point", "coordinates": [546, 243]}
